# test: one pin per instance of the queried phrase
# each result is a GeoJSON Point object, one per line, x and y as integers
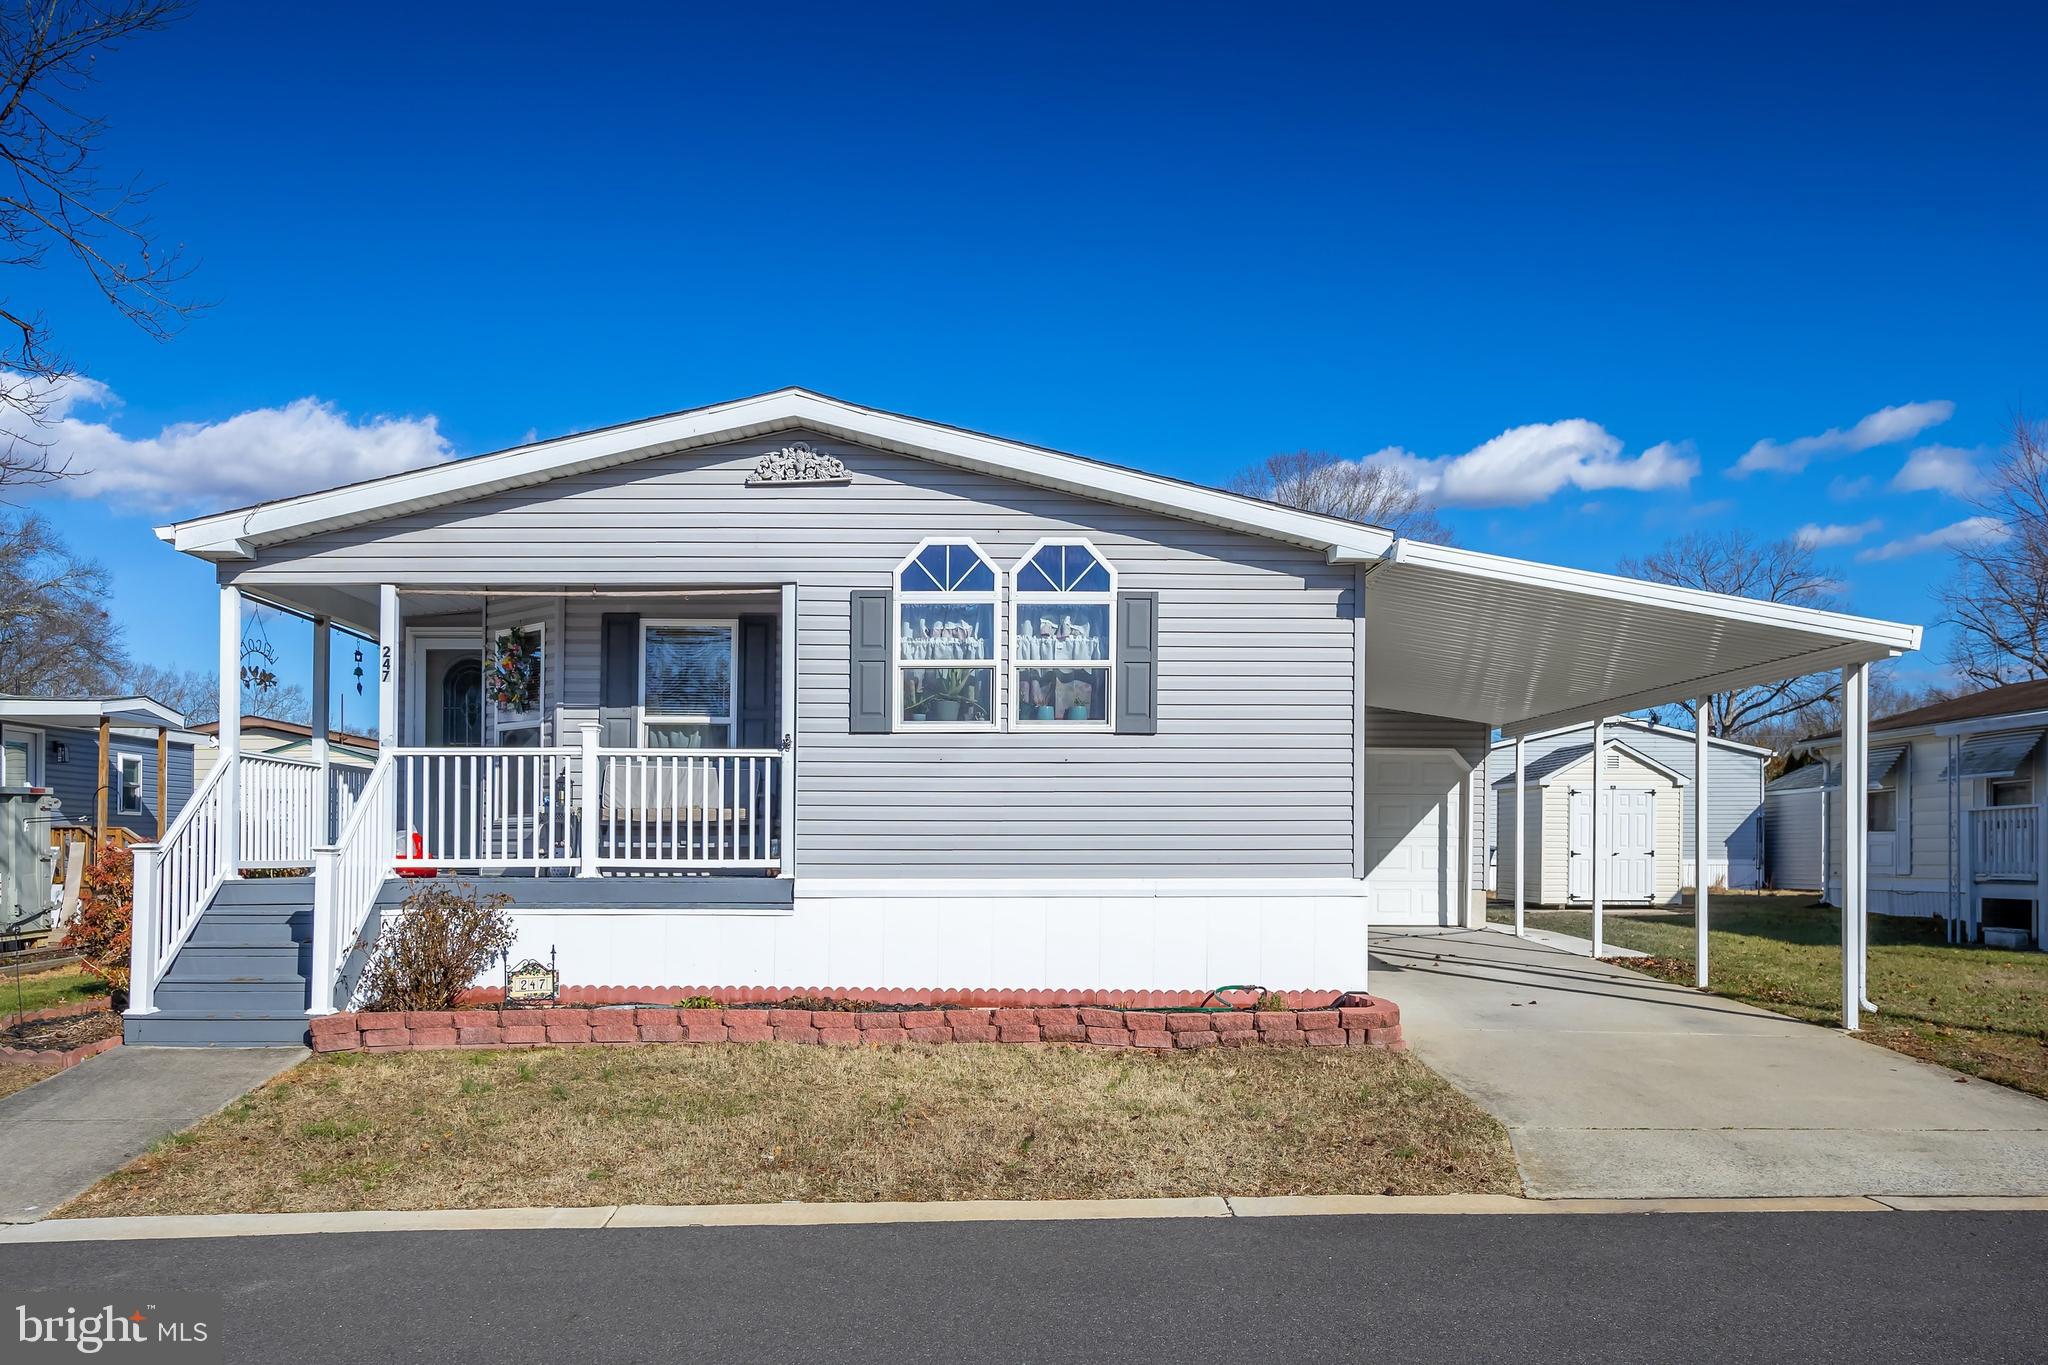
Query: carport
{"type": "Point", "coordinates": [1528, 647]}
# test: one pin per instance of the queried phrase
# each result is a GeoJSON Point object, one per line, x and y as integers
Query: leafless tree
{"type": "Point", "coordinates": [1997, 598]}
{"type": "Point", "coordinates": [54, 195]}
{"type": "Point", "coordinates": [1775, 571]}
{"type": "Point", "coordinates": [192, 693]}
{"type": "Point", "coordinates": [56, 635]}
{"type": "Point", "coordinates": [1318, 481]}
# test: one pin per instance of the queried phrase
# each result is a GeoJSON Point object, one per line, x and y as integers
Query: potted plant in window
{"type": "Point", "coordinates": [1081, 699]}
{"type": "Point", "coordinates": [958, 694]}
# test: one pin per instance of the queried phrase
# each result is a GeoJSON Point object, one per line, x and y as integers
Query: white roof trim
{"type": "Point", "coordinates": [1637, 723]}
{"type": "Point", "coordinates": [240, 533]}
{"type": "Point", "coordinates": [86, 711]}
{"type": "Point", "coordinates": [1613, 745]}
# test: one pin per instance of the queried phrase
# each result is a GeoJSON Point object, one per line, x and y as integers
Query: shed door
{"type": "Point", "coordinates": [1629, 844]}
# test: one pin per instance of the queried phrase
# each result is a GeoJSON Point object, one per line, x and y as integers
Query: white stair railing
{"type": "Point", "coordinates": [175, 879]}
{"type": "Point", "coordinates": [348, 876]}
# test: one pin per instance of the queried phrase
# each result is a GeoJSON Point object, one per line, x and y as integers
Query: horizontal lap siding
{"type": "Point", "coordinates": [1250, 774]}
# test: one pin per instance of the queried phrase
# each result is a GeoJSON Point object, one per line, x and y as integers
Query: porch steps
{"type": "Point", "coordinates": [240, 979]}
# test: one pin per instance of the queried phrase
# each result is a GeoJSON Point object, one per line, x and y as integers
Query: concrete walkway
{"type": "Point", "coordinates": [64, 1133]}
{"type": "Point", "coordinates": [1616, 1085]}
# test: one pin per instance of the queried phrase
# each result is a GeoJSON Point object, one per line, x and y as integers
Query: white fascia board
{"type": "Point", "coordinates": [238, 534]}
{"type": "Point", "coordinates": [120, 711]}
{"type": "Point", "coordinates": [1888, 636]}
{"type": "Point", "coordinates": [2011, 720]}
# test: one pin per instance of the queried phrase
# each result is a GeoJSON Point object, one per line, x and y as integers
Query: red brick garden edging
{"type": "Point", "coordinates": [70, 1057]}
{"type": "Point", "coordinates": [1375, 1025]}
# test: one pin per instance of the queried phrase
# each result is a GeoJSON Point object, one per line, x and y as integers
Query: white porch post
{"type": "Point", "coordinates": [143, 932]}
{"type": "Point", "coordinates": [1599, 882]}
{"type": "Point", "coordinates": [389, 625]}
{"type": "Point", "coordinates": [1521, 849]}
{"type": "Point", "coordinates": [230, 833]}
{"type": "Point", "coordinates": [323, 782]}
{"type": "Point", "coordinates": [1702, 718]}
{"type": "Point", "coordinates": [1855, 836]}
{"type": "Point", "coordinates": [786, 632]}
{"type": "Point", "coordinates": [326, 931]}
{"type": "Point", "coordinates": [593, 789]}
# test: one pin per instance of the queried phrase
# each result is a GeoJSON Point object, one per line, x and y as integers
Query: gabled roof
{"type": "Point", "coordinates": [239, 533]}
{"type": "Point", "coordinates": [1545, 770]}
{"type": "Point", "coordinates": [1812, 777]}
{"type": "Point", "coordinates": [258, 724]}
{"type": "Point", "coordinates": [1649, 728]}
{"type": "Point", "coordinates": [2011, 699]}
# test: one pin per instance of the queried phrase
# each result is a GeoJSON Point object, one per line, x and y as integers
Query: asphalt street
{"type": "Point", "coordinates": [1863, 1288]}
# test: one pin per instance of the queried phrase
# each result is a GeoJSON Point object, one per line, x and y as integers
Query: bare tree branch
{"type": "Point", "coordinates": [53, 193]}
{"type": "Point", "coordinates": [1318, 481]}
{"type": "Point", "coordinates": [1997, 597]}
{"type": "Point", "coordinates": [56, 636]}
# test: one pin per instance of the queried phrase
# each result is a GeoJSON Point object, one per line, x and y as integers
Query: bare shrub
{"type": "Point", "coordinates": [445, 936]}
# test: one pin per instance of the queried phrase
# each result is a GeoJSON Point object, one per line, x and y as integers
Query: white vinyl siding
{"type": "Point", "coordinates": [1251, 774]}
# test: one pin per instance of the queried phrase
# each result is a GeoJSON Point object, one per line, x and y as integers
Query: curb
{"type": "Point", "coordinates": [604, 1217]}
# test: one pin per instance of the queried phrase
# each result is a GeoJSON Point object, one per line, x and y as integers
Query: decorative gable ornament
{"type": "Point", "coordinates": [797, 464]}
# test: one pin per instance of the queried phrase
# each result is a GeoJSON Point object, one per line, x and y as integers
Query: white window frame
{"type": "Point", "coordinates": [122, 789]}
{"type": "Point", "coordinates": [538, 723]}
{"type": "Point", "coordinates": [38, 749]}
{"type": "Point", "coordinates": [1020, 599]}
{"type": "Point", "coordinates": [731, 719]}
{"type": "Point", "coordinates": [993, 665]}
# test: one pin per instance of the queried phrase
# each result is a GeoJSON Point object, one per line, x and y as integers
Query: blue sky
{"type": "Point", "coordinates": [1179, 238]}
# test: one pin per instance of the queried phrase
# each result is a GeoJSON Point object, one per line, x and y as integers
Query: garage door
{"type": "Point", "coordinates": [1411, 836]}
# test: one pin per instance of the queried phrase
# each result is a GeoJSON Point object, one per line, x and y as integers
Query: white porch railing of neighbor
{"type": "Point", "coordinates": [343, 795]}
{"type": "Point", "coordinates": [347, 879]}
{"type": "Point", "coordinates": [485, 808]}
{"type": "Point", "coordinates": [174, 880]}
{"type": "Point", "coordinates": [277, 811]}
{"type": "Point", "coordinates": [689, 808]}
{"type": "Point", "coordinates": [2006, 843]}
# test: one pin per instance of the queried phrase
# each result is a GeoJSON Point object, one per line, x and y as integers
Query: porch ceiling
{"type": "Point", "coordinates": [1456, 633]}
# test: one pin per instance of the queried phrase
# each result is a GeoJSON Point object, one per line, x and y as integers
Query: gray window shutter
{"type": "Point", "coordinates": [868, 675]}
{"type": "Point", "coordinates": [618, 685]}
{"type": "Point", "coordinates": [1137, 663]}
{"type": "Point", "coordinates": [758, 691]}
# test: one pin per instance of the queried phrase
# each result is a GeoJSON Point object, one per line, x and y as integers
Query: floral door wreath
{"type": "Point", "coordinates": [514, 677]}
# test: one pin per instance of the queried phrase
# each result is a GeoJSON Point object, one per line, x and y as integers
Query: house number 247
{"type": "Point", "coordinates": [384, 664]}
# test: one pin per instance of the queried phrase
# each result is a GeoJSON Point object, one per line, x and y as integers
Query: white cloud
{"type": "Point", "coordinates": [254, 455]}
{"type": "Point", "coordinates": [1528, 464]}
{"type": "Point", "coordinates": [1815, 537]}
{"type": "Point", "coordinates": [1945, 469]}
{"type": "Point", "coordinates": [1844, 489]}
{"type": "Point", "coordinates": [1881, 428]}
{"type": "Point", "coordinates": [1969, 531]}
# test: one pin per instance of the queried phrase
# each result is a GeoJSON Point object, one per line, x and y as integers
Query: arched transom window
{"type": "Point", "coordinates": [1061, 650]}
{"type": "Point", "coordinates": [945, 637]}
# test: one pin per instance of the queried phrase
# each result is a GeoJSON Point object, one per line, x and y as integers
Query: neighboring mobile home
{"type": "Point", "coordinates": [1797, 821]}
{"type": "Point", "coordinates": [133, 753]}
{"type": "Point", "coordinates": [286, 739]}
{"type": "Point", "coordinates": [1735, 791]}
{"type": "Point", "coordinates": [791, 692]}
{"type": "Point", "coordinates": [1955, 814]}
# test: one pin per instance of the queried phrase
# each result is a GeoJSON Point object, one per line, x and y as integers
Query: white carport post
{"type": "Point", "coordinates": [230, 830]}
{"type": "Point", "coordinates": [1599, 779]}
{"type": "Point", "coordinates": [1521, 848]}
{"type": "Point", "coordinates": [1702, 717]}
{"type": "Point", "coordinates": [1855, 837]}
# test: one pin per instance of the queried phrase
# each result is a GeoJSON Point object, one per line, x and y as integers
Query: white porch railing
{"type": "Point", "coordinates": [347, 879]}
{"type": "Point", "coordinates": [2005, 843]}
{"type": "Point", "coordinates": [177, 876]}
{"type": "Point", "coordinates": [485, 808]}
{"type": "Point", "coordinates": [689, 808]}
{"type": "Point", "coordinates": [343, 796]}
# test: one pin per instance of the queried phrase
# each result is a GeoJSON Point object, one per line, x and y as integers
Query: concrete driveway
{"type": "Point", "coordinates": [1615, 1084]}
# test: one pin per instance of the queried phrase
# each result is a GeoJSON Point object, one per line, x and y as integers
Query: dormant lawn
{"type": "Point", "coordinates": [1982, 1011]}
{"type": "Point", "coordinates": [747, 1123]}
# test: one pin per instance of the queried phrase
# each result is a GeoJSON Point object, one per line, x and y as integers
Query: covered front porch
{"type": "Point", "coordinates": [528, 736]}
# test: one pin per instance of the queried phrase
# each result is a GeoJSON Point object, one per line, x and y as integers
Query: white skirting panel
{"type": "Point", "coordinates": [1738, 874]}
{"type": "Point", "coordinates": [1186, 934]}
